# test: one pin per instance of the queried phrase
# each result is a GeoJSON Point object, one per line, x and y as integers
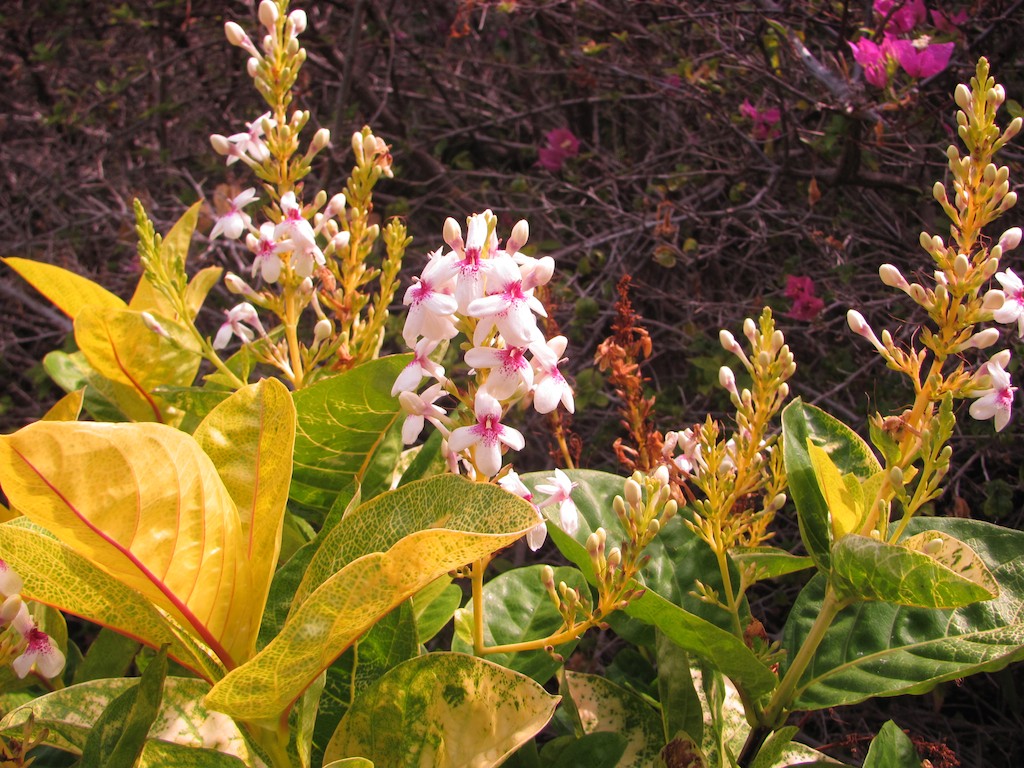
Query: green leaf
{"type": "Point", "coordinates": [469, 521]}
{"type": "Point", "coordinates": [594, 750]}
{"type": "Point", "coordinates": [69, 292]}
{"type": "Point", "coordinates": [851, 455]}
{"type": "Point", "coordinates": [110, 655]}
{"type": "Point", "coordinates": [605, 706]}
{"type": "Point", "coordinates": [927, 570]}
{"type": "Point", "coordinates": [391, 641]}
{"type": "Point", "coordinates": [517, 608]}
{"type": "Point", "coordinates": [880, 649]}
{"type": "Point", "coordinates": [249, 438]}
{"type": "Point", "coordinates": [69, 714]}
{"type": "Point", "coordinates": [678, 559]}
{"type": "Point", "coordinates": [164, 754]}
{"type": "Point", "coordinates": [350, 762]}
{"type": "Point", "coordinates": [769, 562]}
{"type": "Point", "coordinates": [105, 400]}
{"type": "Point", "coordinates": [57, 575]}
{"type": "Point", "coordinates": [680, 706]}
{"type": "Point", "coordinates": [118, 494]}
{"type": "Point", "coordinates": [892, 748]}
{"type": "Point", "coordinates": [418, 713]}
{"type": "Point", "coordinates": [434, 607]}
{"type": "Point", "coordinates": [119, 736]}
{"type": "Point", "coordinates": [342, 424]}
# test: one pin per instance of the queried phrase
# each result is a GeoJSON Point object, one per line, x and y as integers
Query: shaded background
{"type": "Point", "coordinates": [107, 101]}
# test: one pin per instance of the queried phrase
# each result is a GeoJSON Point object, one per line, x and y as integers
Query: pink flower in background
{"type": "Point", "coordinates": [806, 305]}
{"type": "Point", "coordinates": [907, 14]}
{"type": "Point", "coordinates": [922, 62]}
{"type": "Point", "coordinates": [874, 59]}
{"type": "Point", "coordinates": [561, 144]}
{"type": "Point", "coordinates": [764, 120]}
{"type": "Point", "coordinates": [949, 23]}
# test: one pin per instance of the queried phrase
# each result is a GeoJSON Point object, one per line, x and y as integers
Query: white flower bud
{"type": "Point", "coordinates": [322, 330]}
{"type": "Point", "coordinates": [728, 341]}
{"type": "Point", "coordinates": [661, 475]}
{"type": "Point", "coordinates": [961, 265]}
{"type": "Point", "coordinates": [236, 35]}
{"type": "Point", "coordinates": [520, 234]}
{"type": "Point", "coordinates": [962, 95]}
{"type": "Point", "coordinates": [981, 340]}
{"type": "Point", "coordinates": [892, 277]}
{"type": "Point", "coordinates": [727, 379]}
{"type": "Point", "coordinates": [298, 20]}
{"type": "Point", "coordinates": [220, 144]}
{"type": "Point", "coordinates": [750, 330]}
{"type": "Point", "coordinates": [252, 67]}
{"type": "Point", "coordinates": [633, 493]}
{"type": "Point", "coordinates": [993, 300]}
{"type": "Point", "coordinates": [1010, 239]}
{"type": "Point", "coordinates": [320, 140]}
{"type": "Point", "coordinates": [268, 14]}
{"type": "Point", "coordinates": [1008, 202]}
{"type": "Point", "coordinates": [341, 240]}
{"type": "Point", "coordinates": [336, 205]}
{"type": "Point", "coordinates": [997, 95]}
{"type": "Point", "coordinates": [306, 286]}
{"type": "Point", "coordinates": [154, 325]}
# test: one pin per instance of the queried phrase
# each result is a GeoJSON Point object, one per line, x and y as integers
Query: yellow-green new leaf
{"type": "Point", "coordinates": [842, 493]}
{"type": "Point", "coordinates": [69, 292]}
{"type": "Point", "coordinates": [349, 602]}
{"type": "Point", "coordinates": [250, 436]}
{"type": "Point", "coordinates": [59, 576]}
{"type": "Point", "coordinates": [68, 408]}
{"type": "Point", "coordinates": [445, 710]}
{"type": "Point", "coordinates": [121, 347]}
{"type": "Point", "coordinates": [145, 504]}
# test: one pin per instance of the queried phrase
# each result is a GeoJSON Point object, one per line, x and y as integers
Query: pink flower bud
{"type": "Point", "coordinates": [236, 35]}
{"type": "Point", "coordinates": [268, 14]}
{"type": "Point", "coordinates": [727, 379]}
{"type": "Point", "coordinates": [1010, 239]}
{"type": "Point", "coordinates": [892, 277]}
{"type": "Point", "coordinates": [298, 20]}
{"type": "Point", "coordinates": [520, 234]}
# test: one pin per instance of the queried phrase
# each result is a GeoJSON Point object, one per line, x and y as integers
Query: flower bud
{"type": "Point", "coordinates": [993, 300]}
{"type": "Point", "coordinates": [236, 35]}
{"type": "Point", "coordinates": [633, 492]}
{"type": "Point", "coordinates": [962, 96]}
{"type": "Point", "coordinates": [614, 558]}
{"type": "Point", "coordinates": [727, 379]}
{"type": "Point", "coordinates": [783, 390]}
{"type": "Point", "coordinates": [547, 577]}
{"type": "Point", "coordinates": [1008, 202]}
{"type": "Point", "coordinates": [452, 234]}
{"type": "Point", "coordinates": [981, 340]}
{"type": "Point", "coordinates": [320, 140]}
{"type": "Point", "coordinates": [10, 608]}
{"type": "Point", "coordinates": [997, 95]}
{"type": "Point", "coordinates": [728, 341]}
{"type": "Point", "coordinates": [778, 502]}
{"type": "Point", "coordinates": [220, 144]}
{"type": "Point", "coordinates": [336, 205]}
{"type": "Point", "coordinates": [341, 241]}
{"type": "Point", "coordinates": [1010, 239]}
{"type": "Point", "coordinates": [154, 325]}
{"type": "Point", "coordinates": [892, 277]}
{"type": "Point", "coordinates": [933, 546]}
{"type": "Point", "coordinates": [268, 14]}
{"type": "Point", "coordinates": [252, 67]}
{"type": "Point", "coordinates": [661, 475]}
{"type": "Point", "coordinates": [520, 234]}
{"type": "Point", "coordinates": [322, 330]}
{"type": "Point", "coordinates": [298, 20]}
{"type": "Point", "coordinates": [961, 265]}
{"type": "Point", "coordinates": [750, 330]}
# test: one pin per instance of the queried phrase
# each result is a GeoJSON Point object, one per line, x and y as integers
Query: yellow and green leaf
{"type": "Point", "coordinates": [69, 292]}
{"type": "Point", "coordinates": [843, 493]}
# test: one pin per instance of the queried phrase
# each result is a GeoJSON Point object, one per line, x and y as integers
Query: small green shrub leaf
{"type": "Point", "coordinates": [892, 748]}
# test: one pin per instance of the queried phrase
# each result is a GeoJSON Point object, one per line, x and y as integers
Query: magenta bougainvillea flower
{"type": "Point", "coordinates": [806, 305]}
{"type": "Point", "coordinates": [907, 14]}
{"type": "Point", "coordinates": [560, 145]}
{"type": "Point", "coordinates": [923, 61]}
{"type": "Point", "coordinates": [949, 23]}
{"type": "Point", "coordinates": [765, 120]}
{"type": "Point", "coordinates": [874, 59]}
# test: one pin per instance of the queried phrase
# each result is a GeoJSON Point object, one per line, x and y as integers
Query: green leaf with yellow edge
{"type": "Point", "coordinates": [249, 437]}
{"type": "Point", "coordinates": [199, 288]}
{"type": "Point", "coordinates": [843, 494]}
{"type": "Point", "coordinates": [350, 762]}
{"type": "Point", "coordinates": [69, 292]}
{"type": "Point", "coordinates": [846, 450]}
{"type": "Point", "coordinates": [769, 562]}
{"type": "Point", "coordinates": [605, 706]}
{"type": "Point", "coordinates": [58, 576]}
{"type": "Point", "coordinates": [103, 399]}
{"type": "Point", "coordinates": [343, 422]}
{"type": "Point", "coordinates": [68, 408]}
{"type": "Point", "coordinates": [445, 710]}
{"type": "Point", "coordinates": [69, 714]}
{"type": "Point", "coordinates": [146, 505]}
{"type": "Point", "coordinates": [928, 570]}
{"type": "Point", "coordinates": [121, 347]}
{"type": "Point", "coordinates": [471, 520]}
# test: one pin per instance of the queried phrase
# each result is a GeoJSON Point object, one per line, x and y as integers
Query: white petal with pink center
{"type": "Point", "coordinates": [996, 402]}
{"type": "Point", "coordinates": [508, 369]}
{"type": "Point", "coordinates": [559, 489]}
{"type": "Point", "coordinates": [420, 408]}
{"type": "Point", "coordinates": [484, 440]}
{"type": "Point", "coordinates": [550, 387]}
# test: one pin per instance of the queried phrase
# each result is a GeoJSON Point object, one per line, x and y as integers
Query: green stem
{"type": "Point", "coordinates": [478, 606]}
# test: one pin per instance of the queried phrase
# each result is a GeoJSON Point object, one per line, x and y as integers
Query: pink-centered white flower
{"type": "Point", "coordinates": [512, 483]}
{"type": "Point", "coordinates": [10, 582]}
{"type": "Point", "coordinates": [559, 490]}
{"type": "Point", "coordinates": [233, 223]}
{"type": "Point", "coordinates": [550, 387]}
{"type": "Point", "coordinates": [431, 306]}
{"type": "Point", "coordinates": [484, 440]}
{"type": "Point", "coordinates": [250, 142]}
{"type": "Point", "coordinates": [508, 369]}
{"type": "Point", "coordinates": [295, 234]}
{"type": "Point", "coordinates": [40, 651]}
{"type": "Point", "coordinates": [1012, 310]}
{"type": "Point", "coordinates": [507, 306]}
{"type": "Point", "coordinates": [236, 323]}
{"type": "Point", "coordinates": [265, 249]}
{"type": "Point", "coordinates": [996, 402]}
{"type": "Point", "coordinates": [466, 259]}
{"type": "Point", "coordinates": [420, 408]}
{"type": "Point", "coordinates": [421, 365]}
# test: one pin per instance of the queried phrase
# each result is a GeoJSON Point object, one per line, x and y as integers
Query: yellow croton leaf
{"type": "Point", "coordinates": [843, 493]}
{"type": "Point", "coordinates": [69, 292]}
{"type": "Point", "coordinates": [144, 503]}
{"type": "Point", "coordinates": [68, 408]}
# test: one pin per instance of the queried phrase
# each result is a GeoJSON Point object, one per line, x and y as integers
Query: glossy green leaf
{"type": "Point", "coordinates": [120, 346]}
{"type": "Point", "coordinates": [892, 748]}
{"type": "Point", "coordinates": [913, 572]}
{"type": "Point", "coordinates": [769, 562]}
{"type": "Point", "coordinates": [117, 494]}
{"type": "Point", "coordinates": [678, 559]}
{"type": "Point", "coordinates": [434, 607]}
{"type": "Point", "coordinates": [880, 649]}
{"type": "Point", "coordinates": [846, 450]}
{"type": "Point", "coordinates": [517, 608]}
{"type": "Point", "coordinates": [343, 422]}
{"type": "Point", "coordinates": [110, 655]}
{"type": "Point", "coordinates": [471, 520]}
{"type": "Point", "coordinates": [164, 754]}
{"type": "Point", "coordinates": [249, 438]}
{"type": "Point", "coordinates": [118, 736]}
{"type": "Point", "coordinates": [680, 706]}
{"type": "Point", "coordinates": [605, 706]}
{"type": "Point", "coordinates": [69, 714]}
{"type": "Point", "coordinates": [445, 710]}
{"type": "Point", "coordinates": [69, 292]}
{"type": "Point", "coordinates": [391, 641]}
{"type": "Point", "coordinates": [594, 750]}
{"type": "Point", "coordinates": [59, 576]}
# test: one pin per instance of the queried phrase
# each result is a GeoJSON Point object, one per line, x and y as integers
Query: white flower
{"type": "Point", "coordinates": [265, 248]}
{"type": "Point", "coordinates": [233, 223]}
{"type": "Point", "coordinates": [535, 536]}
{"type": "Point", "coordinates": [235, 324]}
{"type": "Point", "coordinates": [996, 401]}
{"type": "Point", "coordinates": [431, 307]}
{"type": "Point", "coordinates": [296, 234]}
{"type": "Point", "coordinates": [559, 489]}
{"type": "Point", "coordinates": [550, 387]}
{"type": "Point", "coordinates": [411, 376]}
{"type": "Point", "coordinates": [508, 368]}
{"type": "Point", "coordinates": [420, 408]}
{"type": "Point", "coordinates": [10, 582]}
{"type": "Point", "coordinates": [250, 142]}
{"type": "Point", "coordinates": [40, 651]}
{"type": "Point", "coordinates": [506, 306]}
{"type": "Point", "coordinates": [486, 438]}
{"type": "Point", "coordinates": [1012, 310]}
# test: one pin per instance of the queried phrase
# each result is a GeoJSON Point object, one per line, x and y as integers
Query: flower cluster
{"type": "Point", "coordinates": [919, 57]}
{"type": "Point", "coordinates": [485, 290]}
{"type": "Point", "coordinates": [807, 305]}
{"type": "Point", "coordinates": [559, 145]}
{"type": "Point", "coordinates": [20, 636]}
{"type": "Point", "coordinates": [765, 121]}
